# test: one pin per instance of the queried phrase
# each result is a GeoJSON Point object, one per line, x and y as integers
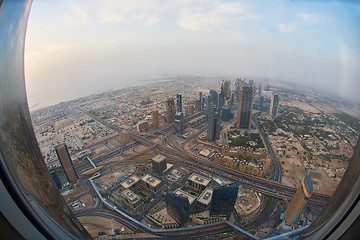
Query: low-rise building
{"type": "Point", "coordinates": [205, 198]}
{"type": "Point", "coordinates": [131, 198]}
{"type": "Point", "coordinates": [151, 183]}
{"type": "Point", "coordinates": [198, 181]}
{"type": "Point", "coordinates": [184, 194]}
{"type": "Point", "coordinates": [142, 126]}
{"type": "Point", "coordinates": [130, 182]}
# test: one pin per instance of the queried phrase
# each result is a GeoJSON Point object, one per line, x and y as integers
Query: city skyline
{"type": "Point", "coordinates": [87, 47]}
{"type": "Point", "coordinates": [136, 180]}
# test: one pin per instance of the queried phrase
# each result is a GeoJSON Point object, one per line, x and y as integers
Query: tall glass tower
{"type": "Point", "coordinates": [245, 108]}
{"type": "Point", "coordinates": [223, 199]}
{"type": "Point", "coordinates": [178, 207]}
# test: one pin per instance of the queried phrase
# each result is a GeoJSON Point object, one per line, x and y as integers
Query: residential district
{"type": "Point", "coordinates": [198, 157]}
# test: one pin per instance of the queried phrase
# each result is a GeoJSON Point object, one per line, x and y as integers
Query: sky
{"type": "Point", "coordinates": [77, 48]}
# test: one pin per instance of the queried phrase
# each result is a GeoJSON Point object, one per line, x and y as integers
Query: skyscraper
{"type": "Point", "coordinates": [170, 110]}
{"type": "Point", "coordinates": [221, 97]}
{"type": "Point", "coordinates": [179, 119]}
{"type": "Point", "coordinates": [232, 97]}
{"type": "Point", "coordinates": [261, 103]}
{"type": "Point", "coordinates": [214, 122]}
{"type": "Point", "coordinates": [237, 89]}
{"type": "Point", "coordinates": [223, 199]}
{"type": "Point", "coordinates": [274, 105]}
{"type": "Point", "coordinates": [260, 89]}
{"type": "Point", "coordinates": [66, 163]}
{"type": "Point", "coordinates": [267, 87]}
{"type": "Point", "coordinates": [55, 178]}
{"type": "Point", "coordinates": [197, 106]}
{"type": "Point", "coordinates": [214, 98]}
{"type": "Point", "coordinates": [217, 124]}
{"type": "Point", "coordinates": [124, 136]}
{"type": "Point", "coordinates": [155, 117]}
{"type": "Point", "coordinates": [244, 83]}
{"type": "Point", "coordinates": [179, 102]}
{"type": "Point", "coordinates": [245, 108]}
{"type": "Point", "coordinates": [226, 114]}
{"type": "Point", "coordinates": [178, 207]}
{"type": "Point", "coordinates": [211, 128]}
{"type": "Point", "coordinates": [227, 89]}
{"type": "Point", "coordinates": [159, 164]}
{"type": "Point", "coordinates": [298, 202]}
{"type": "Point", "coordinates": [201, 99]}
{"type": "Point", "coordinates": [208, 104]}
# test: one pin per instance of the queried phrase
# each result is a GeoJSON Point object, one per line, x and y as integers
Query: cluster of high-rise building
{"type": "Point", "coordinates": [218, 107]}
{"type": "Point", "coordinates": [175, 114]}
{"type": "Point", "coordinates": [219, 201]}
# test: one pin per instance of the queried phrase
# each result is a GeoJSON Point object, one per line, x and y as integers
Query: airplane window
{"type": "Point", "coordinates": [196, 119]}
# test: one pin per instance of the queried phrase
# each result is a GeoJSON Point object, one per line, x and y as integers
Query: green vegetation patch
{"type": "Point", "coordinates": [349, 120]}
{"type": "Point", "coordinates": [299, 132]}
{"type": "Point", "coordinates": [242, 140]}
{"type": "Point", "coordinates": [320, 133]}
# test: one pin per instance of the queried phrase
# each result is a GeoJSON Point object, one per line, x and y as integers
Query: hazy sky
{"type": "Point", "coordinates": [76, 48]}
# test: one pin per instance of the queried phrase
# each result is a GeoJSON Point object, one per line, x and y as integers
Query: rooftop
{"type": "Point", "coordinates": [130, 195]}
{"type": "Point", "coordinates": [159, 158]}
{"type": "Point", "coordinates": [128, 182]}
{"type": "Point", "coordinates": [199, 179]}
{"type": "Point", "coordinates": [152, 181]}
{"type": "Point", "coordinates": [307, 185]}
{"type": "Point", "coordinates": [205, 152]}
{"type": "Point", "coordinates": [205, 196]}
{"type": "Point", "coordinates": [190, 197]}
{"type": "Point", "coordinates": [168, 166]}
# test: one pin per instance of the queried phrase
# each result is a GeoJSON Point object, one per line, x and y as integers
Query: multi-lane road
{"type": "Point", "coordinates": [276, 173]}
{"type": "Point", "coordinates": [176, 153]}
{"type": "Point", "coordinates": [266, 186]}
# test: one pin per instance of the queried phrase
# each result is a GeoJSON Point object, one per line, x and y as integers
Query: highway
{"type": "Point", "coordinates": [184, 233]}
{"type": "Point", "coordinates": [177, 154]}
{"type": "Point", "coordinates": [265, 186]}
{"type": "Point", "coordinates": [271, 187]}
{"type": "Point", "coordinates": [106, 214]}
{"type": "Point", "coordinates": [277, 170]}
{"type": "Point", "coordinates": [173, 233]}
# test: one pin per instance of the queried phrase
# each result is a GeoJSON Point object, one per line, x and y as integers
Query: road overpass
{"type": "Point", "coordinates": [274, 188]}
